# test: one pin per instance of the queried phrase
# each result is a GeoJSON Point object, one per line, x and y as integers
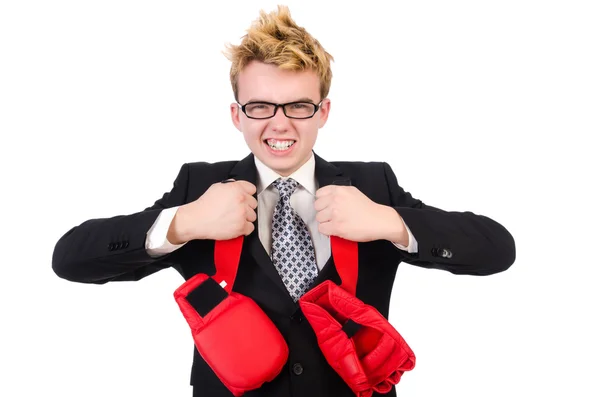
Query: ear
{"type": "Point", "coordinates": [324, 112]}
{"type": "Point", "coordinates": [235, 115]}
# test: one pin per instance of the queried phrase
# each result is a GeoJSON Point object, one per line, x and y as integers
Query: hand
{"type": "Point", "coordinates": [344, 211]}
{"type": "Point", "coordinates": [223, 212]}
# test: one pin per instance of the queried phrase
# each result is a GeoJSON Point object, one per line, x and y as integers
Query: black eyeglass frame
{"type": "Point", "coordinates": [282, 106]}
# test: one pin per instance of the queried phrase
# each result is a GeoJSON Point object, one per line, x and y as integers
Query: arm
{"type": "Point", "coordinates": [459, 242]}
{"type": "Point", "coordinates": [114, 249]}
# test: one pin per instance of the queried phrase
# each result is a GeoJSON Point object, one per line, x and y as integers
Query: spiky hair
{"type": "Point", "coordinates": [276, 39]}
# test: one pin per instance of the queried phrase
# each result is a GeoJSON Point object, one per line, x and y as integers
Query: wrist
{"type": "Point", "coordinates": [393, 228]}
{"type": "Point", "coordinates": [178, 232]}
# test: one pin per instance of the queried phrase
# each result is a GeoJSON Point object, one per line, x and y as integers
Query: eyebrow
{"type": "Point", "coordinates": [303, 99]}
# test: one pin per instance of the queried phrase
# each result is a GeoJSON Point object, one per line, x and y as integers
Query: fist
{"type": "Point", "coordinates": [344, 211]}
{"type": "Point", "coordinates": [224, 211]}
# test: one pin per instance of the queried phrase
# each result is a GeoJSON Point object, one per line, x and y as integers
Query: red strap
{"type": "Point", "coordinates": [227, 260]}
{"type": "Point", "coordinates": [345, 258]}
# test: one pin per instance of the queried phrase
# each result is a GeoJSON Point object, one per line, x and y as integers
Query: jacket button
{"type": "Point", "coordinates": [446, 253]}
{"type": "Point", "coordinates": [297, 368]}
{"type": "Point", "coordinates": [111, 246]}
{"type": "Point", "coordinates": [118, 246]}
{"type": "Point", "coordinates": [434, 251]}
{"type": "Point", "coordinates": [126, 244]}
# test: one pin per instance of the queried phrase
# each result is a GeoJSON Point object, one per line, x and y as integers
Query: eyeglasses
{"type": "Point", "coordinates": [292, 110]}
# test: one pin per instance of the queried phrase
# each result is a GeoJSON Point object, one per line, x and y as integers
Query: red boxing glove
{"type": "Point", "coordinates": [356, 340]}
{"type": "Point", "coordinates": [232, 334]}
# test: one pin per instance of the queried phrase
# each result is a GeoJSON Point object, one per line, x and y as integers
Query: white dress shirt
{"type": "Point", "coordinates": [302, 201]}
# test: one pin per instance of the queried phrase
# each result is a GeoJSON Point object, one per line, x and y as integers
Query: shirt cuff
{"type": "Point", "coordinates": [413, 247]}
{"type": "Point", "coordinates": [157, 243]}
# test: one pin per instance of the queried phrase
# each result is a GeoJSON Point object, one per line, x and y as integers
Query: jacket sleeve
{"type": "Point", "coordinates": [114, 249]}
{"type": "Point", "coordinates": [459, 242]}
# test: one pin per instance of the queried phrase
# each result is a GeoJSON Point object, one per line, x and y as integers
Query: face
{"type": "Point", "coordinates": [262, 82]}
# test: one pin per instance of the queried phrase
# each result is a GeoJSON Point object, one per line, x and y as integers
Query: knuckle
{"type": "Point", "coordinates": [335, 212]}
{"type": "Point", "coordinates": [240, 225]}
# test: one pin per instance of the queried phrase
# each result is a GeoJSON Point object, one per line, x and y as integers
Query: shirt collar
{"type": "Point", "coordinates": [305, 175]}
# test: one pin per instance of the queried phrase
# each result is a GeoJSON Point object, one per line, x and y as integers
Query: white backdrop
{"type": "Point", "coordinates": [488, 107]}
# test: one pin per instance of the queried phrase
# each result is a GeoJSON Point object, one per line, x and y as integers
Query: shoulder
{"type": "Point", "coordinates": [203, 166]}
{"type": "Point", "coordinates": [367, 176]}
{"type": "Point", "coordinates": [360, 169]}
{"type": "Point", "coordinates": [202, 172]}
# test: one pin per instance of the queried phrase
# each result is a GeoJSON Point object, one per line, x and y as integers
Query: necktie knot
{"type": "Point", "coordinates": [285, 187]}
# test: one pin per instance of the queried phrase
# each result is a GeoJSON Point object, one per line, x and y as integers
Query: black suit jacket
{"type": "Point", "coordinates": [113, 249]}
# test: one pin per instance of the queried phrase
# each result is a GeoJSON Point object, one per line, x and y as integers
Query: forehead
{"type": "Point", "coordinates": [260, 81]}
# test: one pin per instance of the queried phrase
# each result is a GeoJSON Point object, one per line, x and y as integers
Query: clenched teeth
{"type": "Point", "coordinates": [279, 145]}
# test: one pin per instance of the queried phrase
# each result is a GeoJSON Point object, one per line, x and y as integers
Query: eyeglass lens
{"type": "Point", "coordinates": [265, 110]}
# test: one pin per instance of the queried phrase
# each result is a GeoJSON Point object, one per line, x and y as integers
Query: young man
{"type": "Point", "coordinates": [281, 77]}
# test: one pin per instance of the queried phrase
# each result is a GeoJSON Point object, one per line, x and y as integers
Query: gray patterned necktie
{"type": "Point", "coordinates": [292, 251]}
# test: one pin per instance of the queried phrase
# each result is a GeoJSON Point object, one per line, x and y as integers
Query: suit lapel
{"type": "Point", "coordinates": [326, 174]}
{"type": "Point", "coordinates": [246, 170]}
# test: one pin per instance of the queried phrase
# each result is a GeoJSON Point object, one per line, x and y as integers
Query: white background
{"type": "Point", "coordinates": [482, 106]}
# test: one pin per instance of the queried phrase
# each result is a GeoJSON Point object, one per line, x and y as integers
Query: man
{"type": "Point", "coordinates": [281, 77]}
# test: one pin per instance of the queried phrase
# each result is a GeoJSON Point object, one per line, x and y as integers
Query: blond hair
{"type": "Point", "coordinates": [276, 39]}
